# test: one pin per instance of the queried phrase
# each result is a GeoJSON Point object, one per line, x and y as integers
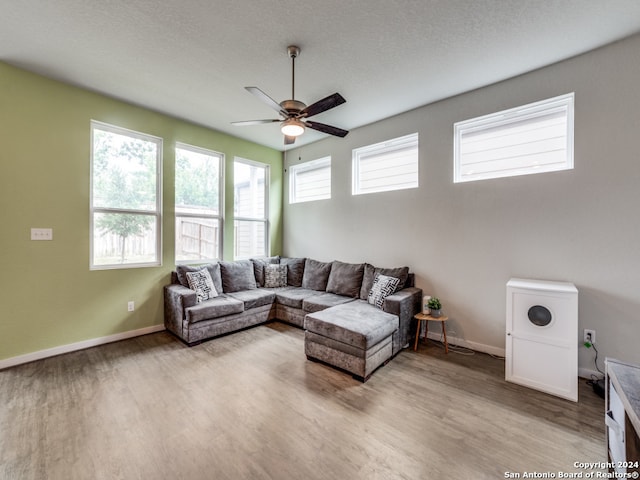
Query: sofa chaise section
{"type": "Point", "coordinates": [353, 336]}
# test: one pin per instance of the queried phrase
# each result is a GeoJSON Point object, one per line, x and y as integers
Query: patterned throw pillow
{"type": "Point", "coordinates": [200, 281]}
{"type": "Point", "coordinates": [275, 276]}
{"type": "Point", "coordinates": [383, 286]}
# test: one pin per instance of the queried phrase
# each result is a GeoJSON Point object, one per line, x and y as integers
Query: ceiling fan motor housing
{"type": "Point", "coordinates": [293, 107]}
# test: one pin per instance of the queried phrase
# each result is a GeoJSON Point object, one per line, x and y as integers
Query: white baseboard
{"type": "Point", "coordinates": [72, 347]}
{"type": "Point", "coordinates": [587, 373]}
{"type": "Point", "coordinates": [499, 352]}
{"type": "Point", "coordinates": [478, 347]}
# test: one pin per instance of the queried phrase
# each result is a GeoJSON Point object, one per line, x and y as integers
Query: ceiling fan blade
{"type": "Point", "coordinates": [266, 99]}
{"type": "Point", "coordinates": [321, 127]}
{"type": "Point", "coordinates": [289, 140]}
{"type": "Point", "coordinates": [254, 122]}
{"type": "Point", "coordinates": [323, 105]}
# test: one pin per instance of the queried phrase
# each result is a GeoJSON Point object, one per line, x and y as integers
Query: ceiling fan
{"type": "Point", "coordinates": [294, 113]}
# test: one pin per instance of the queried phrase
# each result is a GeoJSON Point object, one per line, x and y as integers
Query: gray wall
{"type": "Point", "coordinates": [464, 241]}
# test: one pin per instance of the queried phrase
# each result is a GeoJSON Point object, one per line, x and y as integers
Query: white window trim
{"type": "Point", "coordinates": [94, 124]}
{"type": "Point", "coordinates": [403, 142]}
{"type": "Point", "coordinates": [265, 220]}
{"type": "Point", "coordinates": [303, 168]}
{"type": "Point", "coordinates": [506, 117]}
{"type": "Point", "coordinates": [220, 215]}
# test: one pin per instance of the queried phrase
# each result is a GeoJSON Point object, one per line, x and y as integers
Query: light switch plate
{"type": "Point", "coordinates": [41, 234]}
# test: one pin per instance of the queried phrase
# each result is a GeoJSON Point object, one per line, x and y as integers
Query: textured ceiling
{"type": "Point", "coordinates": [192, 58]}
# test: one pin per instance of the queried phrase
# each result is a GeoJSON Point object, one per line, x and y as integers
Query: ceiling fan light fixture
{"type": "Point", "coordinates": [292, 127]}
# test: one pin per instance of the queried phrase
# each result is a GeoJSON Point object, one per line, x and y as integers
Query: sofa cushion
{"type": "Point", "coordinates": [275, 276]}
{"type": "Point", "coordinates": [316, 274]}
{"type": "Point", "coordinates": [201, 283]}
{"type": "Point", "coordinates": [345, 279]}
{"type": "Point", "coordinates": [295, 270]}
{"type": "Point", "coordinates": [237, 276]}
{"type": "Point", "coordinates": [383, 286]}
{"type": "Point", "coordinates": [322, 301]}
{"type": "Point", "coordinates": [214, 271]}
{"type": "Point", "coordinates": [355, 323]}
{"type": "Point", "coordinates": [370, 273]}
{"type": "Point", "coordinates": [293, 297]}
{"type": "Point", "coordinates": [217, 307]}
{"type": "Point", "coordinates": [254, 298]}
{"type": "Point", "coordinates": [258, 267]}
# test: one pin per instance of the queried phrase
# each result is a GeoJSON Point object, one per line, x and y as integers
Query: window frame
{"type": "Point", "coordinates": [509, 117]}
{"type": "Point", "coordinates": [265, 219]}
{"type": "Point", "coordinates": [219, 216]}
{"type": "Point", "coordinates": [156, 214]}
{"type": "Point", "coordinates": [395, 144]}
{"type": "Point", "coordinates": [306, 167]}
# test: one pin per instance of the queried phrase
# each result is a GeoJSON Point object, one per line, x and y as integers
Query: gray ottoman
{"type": "Point", "coordinates": [354, 336]}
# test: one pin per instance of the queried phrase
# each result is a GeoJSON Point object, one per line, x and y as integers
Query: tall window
{"type": "Point", "coordinates": [250, 193]}
{"type": "Point", "coordinates": [534, 138]}
{"type": "Point", "coordinates": [198, 204]}
{"type": "Point", "coordinates": [310, 181]}
{"type": "Point", "coordinates": [385, 166]}
{"type": "Point", "coordinates": [125, 198]}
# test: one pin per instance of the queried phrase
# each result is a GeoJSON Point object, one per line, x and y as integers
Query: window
{"type": "Point", "coordinates": [534, 138]}
{"type": "Point", "coordinates": [310, 181]}
{"type": "Point", "coordinates": [250, 193]}
{"type": "Point", "coordinates": [198, 204]}
{"type": "Point", "coordinates": [125, 198]}
{"type": "Point", "coordinates": [390, 165]}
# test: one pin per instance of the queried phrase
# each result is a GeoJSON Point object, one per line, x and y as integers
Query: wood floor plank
{"type": "Point", "coordinates": [249, 405]}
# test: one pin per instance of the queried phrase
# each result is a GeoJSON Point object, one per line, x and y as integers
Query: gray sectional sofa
{"type": "Point", "coordinates": [356, 316]}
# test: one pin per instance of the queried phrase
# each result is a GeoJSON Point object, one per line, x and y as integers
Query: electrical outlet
{"type": "Point", "coordinates": [131, 306]}
{"type": "Point", "coordinates": [589, 336]}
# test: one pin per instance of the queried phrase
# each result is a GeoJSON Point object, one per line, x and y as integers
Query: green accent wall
{"type": "Point", "coordinates": [48, 295]}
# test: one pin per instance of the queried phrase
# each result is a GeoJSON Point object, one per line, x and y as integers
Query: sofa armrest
{"type": "Point", "coordinates": [176, 300]}
{"type": "Point", "coordinates": [405, 304]}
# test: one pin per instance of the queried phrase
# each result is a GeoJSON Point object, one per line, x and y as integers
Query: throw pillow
{"type": "Point", "coordinates": [316, 275]}
{"type": "Point", "coordinates": [275, 276]}
{"type": "Point", "coordinates": [201, 282]}
{"type": "Point", "coordinates": [383, 286]}
{"type": "Point", "coordinates": [345, 279]}
{"type": "Point", "coordinates": [237, 276]}
{"type": "Point", "coordinates": [258, 267]}
{"type": "Point", "coordinates": [370, 273]}
{"type": "Point", "coordinates": [295, 270]}
{"type": "Point", "coordinates": [213, 268]}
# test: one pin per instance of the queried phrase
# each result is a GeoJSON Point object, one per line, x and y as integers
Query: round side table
{"type": "Point", "coordinates": [421, 317]}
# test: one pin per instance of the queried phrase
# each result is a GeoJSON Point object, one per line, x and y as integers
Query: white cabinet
{"type": "Point", "coordinates": [622, 416]}
{"type": "Point", "coordinates": [542, 336]}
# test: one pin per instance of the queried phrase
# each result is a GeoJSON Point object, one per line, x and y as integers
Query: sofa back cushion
{"type": "Point", "coordinates": [258, 267]}
{"type": "Point", "coordinates": [346, 279]}
{"type": "Point", "coordinates": [295, 270]}
{"type": "Point", "coordinates": [213, 268]}
{"type": "Point", "coordinates": [237, 276]}
{"type": "Point", "coordinates": [316, 275]}
{"type": "Point", "coordinates": [370, 273]}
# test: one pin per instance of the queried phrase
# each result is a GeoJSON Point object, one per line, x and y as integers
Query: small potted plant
{"type": "Point", "coordinates": [435, 306]}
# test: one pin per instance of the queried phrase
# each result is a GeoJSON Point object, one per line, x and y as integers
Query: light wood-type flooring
{"type": "Point", "coordinates": [251, 406]}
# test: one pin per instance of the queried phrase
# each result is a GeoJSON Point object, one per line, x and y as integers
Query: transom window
{"type": "Point", "coordinates": [125, 198]}
{"type": "Point", "coordinates": [385, 166]}
{"type": "Point", "coordinates": [250, 193]}
{"type": "Point", "coordinates": [534, 138]}
{"type": "Point", "coordinates": [310, 181]}
{"type": "Point", "coordinates": [198, 201]}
